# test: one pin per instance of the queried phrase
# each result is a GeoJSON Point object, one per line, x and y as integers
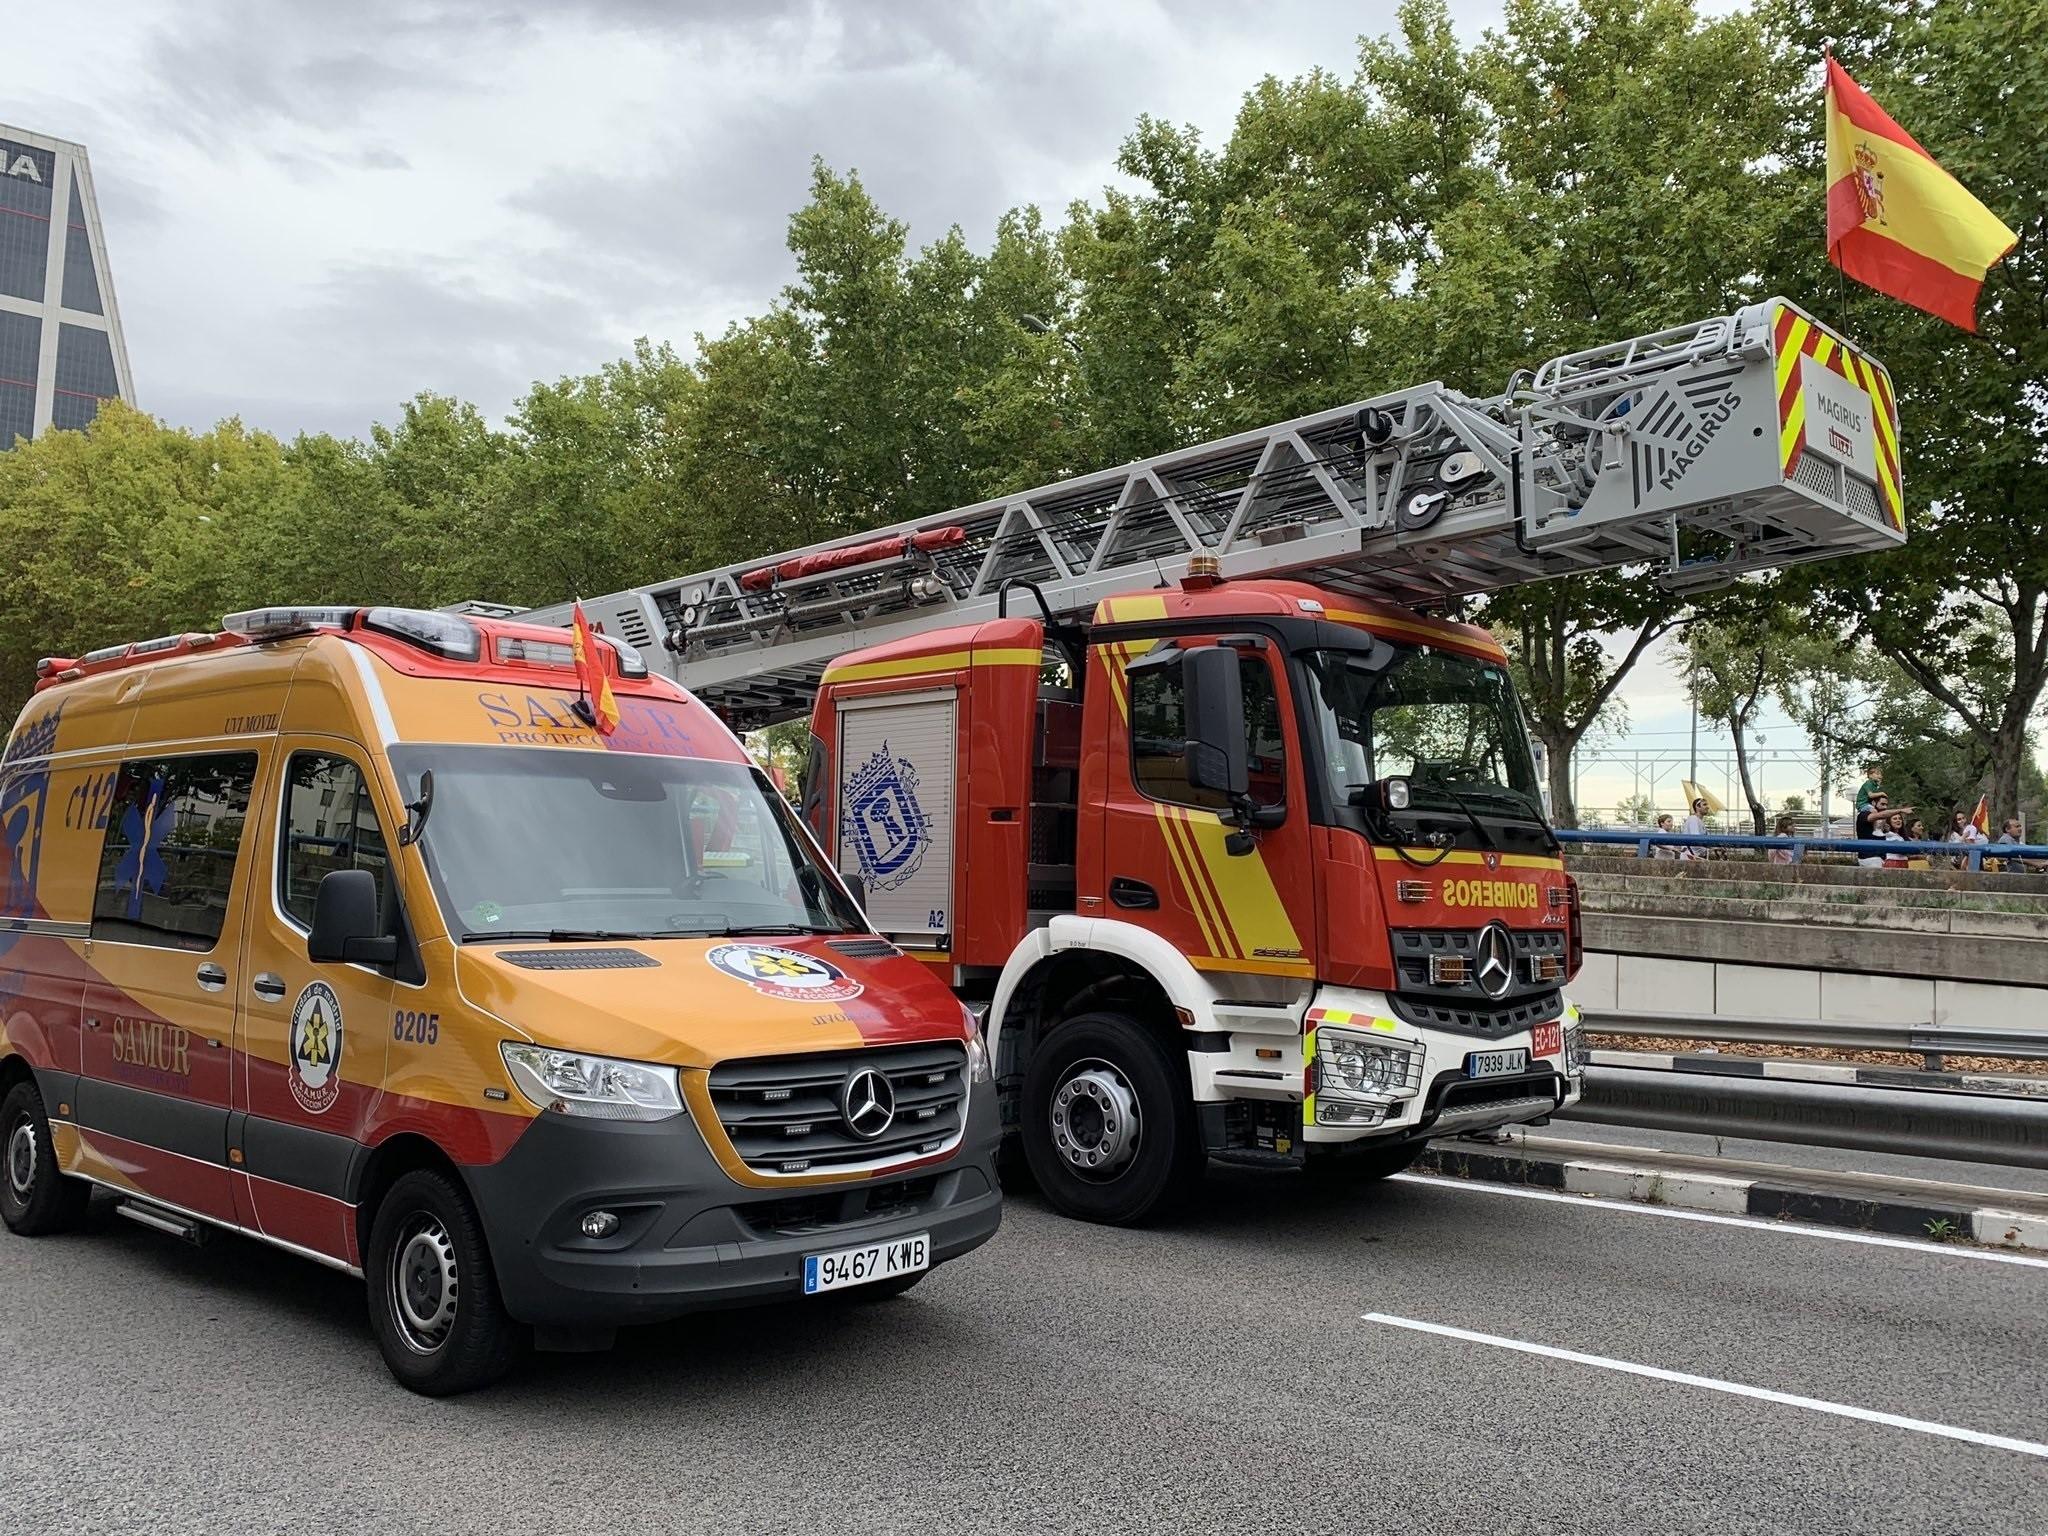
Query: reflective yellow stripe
{"type": "Point", "coordinates": [1200, 899]}
{"type": "Point", "coordinates": [942, 661]}
{"type": "Point", "coordinates": [1505, 860]}
{"type": "Point", "coordinates": [1376, 621]}
{"type": "Point", "coordinates": [1252, 967]}
{"type": "Point", "coordinates": [1792, 434]}
{"type": "Point", "coordinates": [1130, 610]}
{"type": "Point", "coordinates": [1253, 913]}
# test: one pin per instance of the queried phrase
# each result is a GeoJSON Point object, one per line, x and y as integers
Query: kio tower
{"type": "Point", "coordinates": [61, 351]}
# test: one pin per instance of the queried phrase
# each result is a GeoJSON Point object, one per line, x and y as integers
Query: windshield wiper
{"type": "Point", "coordinates": [1465, 806]}
{"type": "Point", "coordinates": [754, 930]}
{"type": "Point", "coordinates": [1535, 809]}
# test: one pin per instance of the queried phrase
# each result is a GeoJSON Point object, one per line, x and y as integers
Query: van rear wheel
{"type": "Point", "coordinates": [36, 1197]}
{"type": "Point", "coordinates": [1108, 1124]}
{"type": "Point", "coordinates": [434, 1301]}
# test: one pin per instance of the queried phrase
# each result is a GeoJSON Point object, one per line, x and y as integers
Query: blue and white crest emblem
{"type": "Point", "coordinates": [888, 829]}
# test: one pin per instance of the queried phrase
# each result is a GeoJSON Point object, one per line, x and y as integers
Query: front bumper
{"type": "Point", "coordinates": [690, 1238]}
{"type": "Point", "coordinates": [1252, 1102]}
{"type": "Point", "coordinates": [1449, 1103]}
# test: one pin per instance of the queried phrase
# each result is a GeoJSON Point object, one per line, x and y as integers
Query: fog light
{"type": "Point", "coordinates": [600, 1224]}
{"type": "Point", "coordinates": [1396, 791]}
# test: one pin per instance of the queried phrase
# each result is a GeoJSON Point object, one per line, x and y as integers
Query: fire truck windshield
{"type": "Point", "coordinates": [1448, 723]}
{"type": "Point", "coordinates": [579, 845]}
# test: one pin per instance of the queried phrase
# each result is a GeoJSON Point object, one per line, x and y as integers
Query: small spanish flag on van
{"type": "Point", "coordinates": [597, 705]}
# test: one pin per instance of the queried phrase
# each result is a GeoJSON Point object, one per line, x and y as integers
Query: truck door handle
{"type": "Point", "coordinates": [268, 986]}
{"type": "Point", "coordinates": [211, 977]}
{"type": "Point", "coordinates": [1133, 895]}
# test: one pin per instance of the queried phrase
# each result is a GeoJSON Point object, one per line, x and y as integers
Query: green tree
{"type": "Point", "coordinates": [1732, 665]}
{"type": "Point", "coordinates": [1963, 608]}
{"type": "Point", "coordinates": [125, 531]}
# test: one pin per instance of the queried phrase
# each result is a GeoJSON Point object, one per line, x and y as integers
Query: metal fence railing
{"type": "Point", "coordinates": [2012, 858]}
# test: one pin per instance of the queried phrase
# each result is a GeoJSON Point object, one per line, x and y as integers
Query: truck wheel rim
{"type": "Point", "coordinates": [425, 1286]}
{"type": "Point", "coordinates": [1095, 1120]}
{"type": "Point", "coordinates": [21, 1158]}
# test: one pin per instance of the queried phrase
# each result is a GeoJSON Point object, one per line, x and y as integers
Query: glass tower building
{"type": "Point", "coordinates": [61, 351]}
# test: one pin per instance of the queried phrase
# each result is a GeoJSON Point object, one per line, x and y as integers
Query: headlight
{"type": "Point", "coordinates": [595, 1087]}
{"type": "Point", "coordinates": [977, 1053]}
{"type": "Point", "coordinates": [1353, 1068]}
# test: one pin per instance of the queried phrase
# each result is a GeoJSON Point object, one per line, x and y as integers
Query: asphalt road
{"type": "Point", "coordinates": [1218, 1374]}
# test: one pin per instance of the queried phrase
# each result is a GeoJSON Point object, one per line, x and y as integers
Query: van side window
{"type": "Point", "coordinates": [329, 823]}
{"type": "Point", "coordinates": [174, 831]}
{"type": "Point", "coordinates": [1159, 737]}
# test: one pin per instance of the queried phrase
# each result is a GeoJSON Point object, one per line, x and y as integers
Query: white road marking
{"type": "Point", "coordinates": [1789, 1228]}
{"type": "Point", "coordinates": [1715, 1384]}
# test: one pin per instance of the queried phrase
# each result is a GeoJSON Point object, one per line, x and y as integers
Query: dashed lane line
{"type": "Point", "coordinates": [1715, 1384]}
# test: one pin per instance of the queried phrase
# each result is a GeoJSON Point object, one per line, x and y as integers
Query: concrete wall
{"type": "Point", "coordinates": [1625, 983]}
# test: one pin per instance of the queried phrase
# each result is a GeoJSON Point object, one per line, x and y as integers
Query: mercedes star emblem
{"type": "Point", "coordinates": [868, 1103]}
{"type": "Point", "coordinates": [1496, 960]}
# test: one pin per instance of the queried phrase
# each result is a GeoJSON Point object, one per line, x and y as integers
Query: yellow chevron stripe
{"type": "Point", "coordinates": [1256, 916]}
{"type": "Point", "coordinates": [1795, 344]}
{"type": "Point", "coordinates": [1202, 900]}
{"type": "Point", "coordinates": [1790, 433]}
{"type": "Point", "coordinates": [1824, 348]}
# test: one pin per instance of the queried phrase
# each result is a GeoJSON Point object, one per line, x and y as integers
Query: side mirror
{"type": "Point", "coordinates": [345, 925]}
{"type": "Point", "coordinates": [1213, 693]}
{"type": "Point", "coordinates": [857, 886]}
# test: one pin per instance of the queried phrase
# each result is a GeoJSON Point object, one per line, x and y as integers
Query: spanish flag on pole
{"type": "Point", "coordinates": [1980, 818]}
{"type": "Point", "coordinates": [597, 706]}
{"type": "Point", "coordinates": [1896, 220]}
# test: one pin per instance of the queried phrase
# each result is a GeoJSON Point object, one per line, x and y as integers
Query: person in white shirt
{"type": "Point", "coordinates": [1664, 850]}
{"type": "Point", "coordinates": [1695, 826]}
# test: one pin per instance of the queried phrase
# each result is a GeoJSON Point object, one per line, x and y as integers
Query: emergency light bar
{"type": "Point", "coordinates": [276, 623]}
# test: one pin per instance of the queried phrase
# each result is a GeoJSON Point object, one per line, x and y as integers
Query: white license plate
{"type": "Point", "coordinates": [1496, 1063]}
{"type": "Point", "coordinates": [858, 1266]}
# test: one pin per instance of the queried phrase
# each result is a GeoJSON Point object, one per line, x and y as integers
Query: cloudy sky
{"type": "Point", "coordinates": [315, 210]}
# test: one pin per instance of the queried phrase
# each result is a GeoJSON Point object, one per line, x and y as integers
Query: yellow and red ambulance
{"type": "Point", "coordinates": [350, 930]}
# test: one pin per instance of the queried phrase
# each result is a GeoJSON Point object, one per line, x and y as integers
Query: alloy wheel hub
{"type": "Point", "coordinates": [1095, 1123]}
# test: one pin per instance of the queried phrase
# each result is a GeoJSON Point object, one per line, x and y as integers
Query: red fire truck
{"type": "Point", "coordinates": [1183, 778]}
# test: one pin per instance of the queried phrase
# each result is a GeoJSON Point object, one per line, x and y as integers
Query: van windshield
{"type": "Point", "coordinates": [578, 845]}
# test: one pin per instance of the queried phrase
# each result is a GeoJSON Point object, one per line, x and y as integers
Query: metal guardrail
{"type": "Point", "coordinates": [1925, 1039]}
{"type": "Point", "coordinates": [1972, 854]}
{"type": "Point", "coordinates": [1972, 1128]}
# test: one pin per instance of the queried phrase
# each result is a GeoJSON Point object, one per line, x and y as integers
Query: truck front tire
{"type": "Point", "coordinates": [1109, 1128]}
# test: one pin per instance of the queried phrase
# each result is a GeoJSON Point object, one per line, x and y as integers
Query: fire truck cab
{"type": "Point", "coordinates": [1243, 869]}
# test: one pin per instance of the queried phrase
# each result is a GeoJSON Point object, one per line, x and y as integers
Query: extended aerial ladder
{"type": "Point", "coordinates": [1736, 444]}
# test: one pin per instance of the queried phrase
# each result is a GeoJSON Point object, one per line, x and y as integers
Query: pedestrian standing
{"type": "Point", "coordinates": [1664, 850]}
{"type": "Point", "coordinates": [1695, 826]}
{"type": "Point", "coordinates": [1783, 829]}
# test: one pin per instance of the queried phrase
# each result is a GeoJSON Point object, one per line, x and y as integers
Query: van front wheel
{"type": "Point", "coordinates": [36, 1197]}
{"type": "Point", "coordinates": [433, 1298]}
